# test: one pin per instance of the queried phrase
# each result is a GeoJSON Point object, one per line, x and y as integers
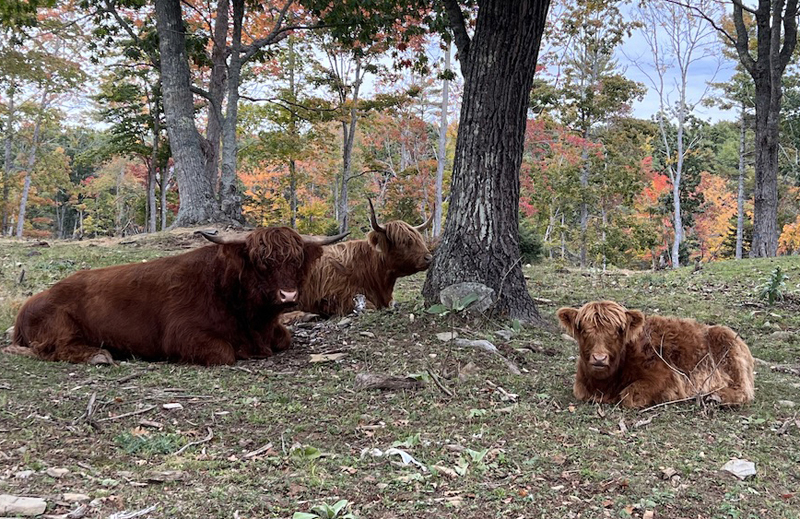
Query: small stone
{"type": "Point", "coordinates": [71, 497]}
{"type": "Point", "coordinates": [23, 474]}
{"type": "Point", "coordinates": [24, 506]}
{"type": "Point", "coordinates": [367, 334]}
{"type": "Point", "coordinates": [567, 337]}
{"type": "Point", "coordinates": [782, 335]}
{"type": "Point", "coordinates": [344, 322]}
{"type": "Point", "coordinates": [54, 472]}
{"type": "Point", "coordinates": [172, 405]}
{"type": "Point", "coordinates": [446, 336]}
{"type": "Point", "coordinates": [786, 403]}
{"type": "Point", "coordinates": [504, 334]}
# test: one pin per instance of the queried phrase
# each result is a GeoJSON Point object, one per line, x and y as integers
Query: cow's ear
{"type": "Point", "coordinates": [311, 253]}
{"type": "Point", "coordinates": [378, 241]}
{"type": "Point", "coordinates": [635, 324]}
{"type": "Point", "coordinates": [566, 317]}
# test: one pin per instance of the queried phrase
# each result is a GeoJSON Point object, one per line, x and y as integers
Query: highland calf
{"type": "Point", "coordinates": [369, 267]}
{"type": "Point", "coordinates": [641, 361]}
{"type": "Point", "coordinates": [209, 306]}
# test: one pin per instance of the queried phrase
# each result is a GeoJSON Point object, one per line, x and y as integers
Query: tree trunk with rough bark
{"type": "Point", "coordinates": [216, 93]}
{"type": "Point", "coordinates": [197, 202]}
{"type": "Point", "coordinates": [229, 196]}
{"type": "Point", "coordinates": [776, 39]}
{"type": "Point", "coordinates": [481, 236]}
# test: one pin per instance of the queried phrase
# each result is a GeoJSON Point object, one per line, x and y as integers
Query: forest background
{"type": "Point", "coordinates": [321, 126]}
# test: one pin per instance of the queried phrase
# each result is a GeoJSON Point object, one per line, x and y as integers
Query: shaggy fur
{"type": "Point", "coordinates": [369, 267]}
{"type": "Point", "coordinates": [209, 306]}
{"type": "Point", "coordinates": [641, 361]}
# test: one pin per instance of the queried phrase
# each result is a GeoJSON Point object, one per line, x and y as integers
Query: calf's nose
{"type": "Point", "coordinates": [599, 358]}
{"type": "Point", "coordinates": [287, 296]}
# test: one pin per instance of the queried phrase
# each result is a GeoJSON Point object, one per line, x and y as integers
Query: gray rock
{"type": "Point", "coordinates": [451, 296]}
{"type": "Point", "coordinates": [24, 506]}
{"type": "Point", "coordinates": [55, 472]}
{"type": "Point", "coordinates": [782, 335]}
{"type": "Point", "coordinates": [742, 469]}
{"type": "Point", "coordinates": [786, 403]}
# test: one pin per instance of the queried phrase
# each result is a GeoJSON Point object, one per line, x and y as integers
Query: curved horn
{"type": "Point", "coordinates": [323, 240]}
{"type": "Point", "coordinates": [220, 240]}
{"type": "Point", "coordinates": [372, 220]}
{"type": "Point", "coordinates": [424, 225]}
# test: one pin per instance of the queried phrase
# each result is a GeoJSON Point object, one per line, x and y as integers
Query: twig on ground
{"type": "Point", "coordinates": [90, 410]}
{"type": "Point", "coordinates": [129, 377]}
{"type": "Point", "coordinates": [258, 451]}
{"type": "Point", "coordinates": [125, 415]}
{"type": "Point", "coordinates": [678, 401]}
{"type": "Point", "coordinates": [130, 515]}
{"type": "Point", "coordinates": [441, 386]}
{"type": "Point", "coordinates": [198, 442]}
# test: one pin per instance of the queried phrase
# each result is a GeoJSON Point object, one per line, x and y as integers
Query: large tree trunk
{"type": "Point", "coordinates": [441, 154]}
{"type": "Point", "coordinates": [481, 236]}
{"type": "Point", "coordinates": [765, 192]}
{"type": "Point", "coordinates": [197, 203]}
{"type": "Point", "coordinates": [216, 92]}
{"type": "Point", "coordinates": [230, 199]}
{"type": "Point", "coordinates": [776, 36]}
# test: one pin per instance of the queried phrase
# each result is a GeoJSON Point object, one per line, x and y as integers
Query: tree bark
{"type": "Point", "coordinates": [230, 199]}
{"type": "Point", "coordinates": [740, 193]}
{"type": "Point", "coordinates": [197, 203]}
{"type": "Point", "coordinates": [348, 139]}
{"type": "Point", "coordinates": [216, 92]}
{"type": "Point", "coordinates": [481, 236]}
{"type": "Point", "coordinates": [776, 39]}
{"type": "Point", "coordinates": [441, 154]}
{"type": "Point", "coordinates": [26, 187]}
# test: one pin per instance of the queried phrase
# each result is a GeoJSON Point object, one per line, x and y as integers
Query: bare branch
{"type": "Point", "coordinates": [707, 18]}
{"type": "Point", "coordinates": [457, 24]}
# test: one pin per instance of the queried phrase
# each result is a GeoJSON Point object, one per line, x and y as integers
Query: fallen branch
{"type": "Point", "coordinates": [438, 383]}
{"type": "Point", "coordinates": [125, 415]}
{"type": "Point", "coordinates": [258, 451]}
{"type": "Point", "coordinates": [198, 442]}
{"type": "Point", "coordinates": [129, 377]}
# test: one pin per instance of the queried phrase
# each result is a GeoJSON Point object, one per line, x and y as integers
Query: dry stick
{"type": "Point", "coordinates": [258, 451]}
{"type": "Point", "coordinates": [664, 404]}
{"type": "Point", "coordinates": [198, 442]}
{"type": "Point", "coordinates": [435, 379]}
{"type": "Point", "coordinates": [129, 377]}
{"type": "Point", "coordinates": [125, 415]}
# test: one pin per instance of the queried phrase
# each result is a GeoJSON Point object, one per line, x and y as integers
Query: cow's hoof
{"type": "Point", "coordinates": [102, 357]}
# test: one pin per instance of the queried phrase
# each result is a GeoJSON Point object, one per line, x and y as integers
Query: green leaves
{"type": "Point", "coordinates": [326, 511]}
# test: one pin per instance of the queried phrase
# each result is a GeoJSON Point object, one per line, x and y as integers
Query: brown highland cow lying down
{"type": "Point", "coordinates": [641, 361]}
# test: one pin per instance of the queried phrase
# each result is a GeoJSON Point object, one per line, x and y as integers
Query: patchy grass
{"type": "Point", "coordinates": [502, 445]}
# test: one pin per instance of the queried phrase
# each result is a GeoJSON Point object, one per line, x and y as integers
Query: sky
{"type": "Point", "coordinates": [635, 59]}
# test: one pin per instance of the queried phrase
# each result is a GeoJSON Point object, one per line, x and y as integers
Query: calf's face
{"type": "Point", "coordinates": [602, 329]}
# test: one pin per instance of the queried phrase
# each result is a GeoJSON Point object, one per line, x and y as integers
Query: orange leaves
{"type": "Point", "coordinates": [712, 223]}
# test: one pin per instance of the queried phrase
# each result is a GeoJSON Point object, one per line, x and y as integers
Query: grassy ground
{"type": "Point", "coordinates": [503, 445]}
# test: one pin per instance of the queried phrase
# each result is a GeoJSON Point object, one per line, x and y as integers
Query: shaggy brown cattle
{"type": "Point", "coordinates": [641, 361]}
{"type": "Point", "coordinates": [212, 305]}
{"type": "Point", "coordinates": [369, 267]}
